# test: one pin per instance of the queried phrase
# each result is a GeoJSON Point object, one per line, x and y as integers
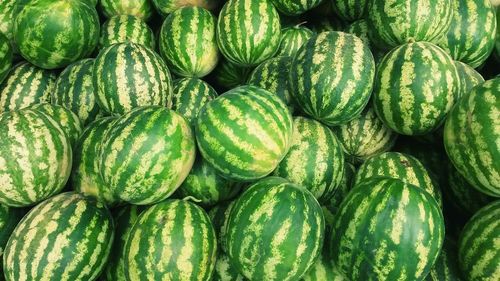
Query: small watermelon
{"type": "Point", "coordinates": [292, 38]}
{"type": "Point", "coordinates": [360, 29]}
{"type": "Point", "coordinates": [166, 7]}
{"type": "Point", "coordinates": [126, 28]}
{"type": "Point", "coordinates": [6, 57]}
{"type": "Point", "coordinates": [139, 8]}
{"type": "Point", "coordinates": [189, 96]}
{"type": "Point", "coordinates": [469, 77]}
{"type": "Point", "coordinates": [293, 8]}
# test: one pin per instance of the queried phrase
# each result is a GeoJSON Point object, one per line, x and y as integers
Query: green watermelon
{"type": "Point", "coordinates": [244, 133]}
{"type": "Point", "coordinates": [75, 91]}
{"type": "Point", "coordinates": [139, 8]}
{"type": "Point", "coordinates": [345, 186]}
{"type": "Point", "coordinates": [471, 37]}
{"type": "Point", "coordinates": [85, 176]}
{"type": "Point", "coordinates": [126, 28]}
{"type": "Point", "coordinates": [24, 86]}
{"type": "Point", "coordinates": [497, 43]}
{"type": "Point", "coordinates": [315, 159]}
{"type": "Point", "coordinates": [446, 267]}
{"type": "Point", "coordinates": [350, 10]}
{"type": "Point", "coordinates": [35, 157]}
{"type": "Point", "coordinates": [248, 31]}
{"type": "Point", "coordinates": [323, 270]}
{"type": "Point", "coordinates": [275, 231]}
{"type": "Point", "coordinates": [187, 42]}
{"type": "Point", "coordinates": [228, 75]}
{"type": "Point", "coordinates": [360, 29]}
{"type": "Point", "coordinates": [292, 38]}
{"type": "Point", "coordinates": [224, 269]}
{"type": "Point", "coordinates": [478, 252]}
{"type": "Point", "coordinates": [189, 96]}
{"type": "Point", "coordinates": [365, 136]}
{"type": "Point", "coordinates": [471, 137]}
{"type": "Point", "coordinates": [7, 18]}
{"type": "Point", "coordinates": [469, 77]}
{"type": "Point", "coordinates": [172, 240]}
{"type": "Point", "coordinates": [5, 57]}
{"type": "Point", "coordinates": [166, 7]}
{"type": "Point", "coordinates": [146, 155]}
{"type": "Point", "coordinates": [387, 229]}
{"type": "Point", "coordinates": [128, 75]}
{"type": "Point", "coordinates": [293, 8]}
{"type": "Point", "coordinates": [67, 237]}
{"type": "Point", "coordinates": [9, 218]}
{"type": "Point", "coordinates": [55, 39]}
{"type": "Point", "coordinates": [331, 77]}
{"type": "Point", "coordinates": [325, 24]}
{"type": "Point", "coordinates": [396, 22]}
{"type": "Point", "coordinates": [219, 215]}
{"type": "Point", "coordinates": [416, 86]}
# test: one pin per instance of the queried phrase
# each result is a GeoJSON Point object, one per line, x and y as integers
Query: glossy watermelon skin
{"type": "Point", "coordinates": [126, 28]}
{"type": "Point", "coordinates": [139, 8]}
{"type": "Point", "coordinates": [478, 245]}
{"type": "Point", "coordinates": [416, 86]}
{"type": "Point", "coordinates": [471, 137]}
{"type": "Point", "coordinates": [6, 56]}
{"type": "Point", "coordinates": [469, 77]}
{"type": "Point", "coordinates": [128, 75]}
{"type": "Point", "coordinates": [331, 77]}
{"type": "Point", "coordinates": [262, 220]}
{"type": "Point", "coordinates": [350, 10]}
{"type": "Point", "coordinates": [149, 167]}
{"type": "Point", "coordinates": [292, 38]}
{"type": "Point", "coordinates": [165, 7]}
{"type": "Point", "coordinates": [35, 157]}
{"type": "Point", "coordinates": [54, 40]}
{"type": "Point", "coordinates": [446, 267]}
{"type": "Point", "coordinates": [191, 257]}
{"type": "Point", "coordinates": [293, 8]}
{"type": "Point", "coordinates": [248, 31]}
{"type": "Point", "coordinates": [26, 85]}
{"type": "Point", "coordinates": [69, 236]}
{"type": "Point", "coordinates": [252, 125]}
{"type": "Point", "coordinates": [373, 239]}
{"type": "Point", "coordinates": [189, 96]}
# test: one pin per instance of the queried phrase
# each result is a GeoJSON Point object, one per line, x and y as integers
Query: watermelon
{"type": "Point", "coordinates": [224, 269]}
{"type": "Point", "coordinates": [331, 77]}
{"type": "Point", "coordinates": [469, 77]}
{"type": "Point", "coordinates": [55, 39]}
{"type": "Point", "coordinates": [219, 215]}
{"type": "Point", "coordinates": [325, 24]}
{"type": "Point", "coordinates": [275, 231]}
{"type": "Point", "coordinates": [146, 155]}
{"type": "Point", "coordinates": [189, 96]}
{"type": "Point", "coordinates": [293, 8]}
{"type": "Point", "coordinates": [396, 22]}
{"type": "Point", "coordinates": [128, 75]}
{"type": "Point", "coordinates": [471, 137]}
{"type": "Point", "coordinates": [5, 57]}
{"type": "Point", "coordinates": [345, 186]}
{"type": "Point", "coordinates": [68, 237]}
{"type": "Point", "coordinates": [292, 38]}
{"type": "Point", "coordinates": [165, 7]}
{"type": "Point", "coordinates": [75, 91]}
{"type": "Point", "coordinates": [360, 29]}
{"type": "Point", "coordinates": [9, 218]}
{"type": "Point", "coordinates": [244, 133]}
{"type": "Point", "coordinates": [497, 43]}
{"type": "Point", "coordinates": [85, 176]}
{"type": "Point", "coordinates": [35, 157]}
{"type": "Point", "coordinates": [315, 159]}
{"type": "Point", "coordinates": [323, 270]}
{"type": "Point", "coordinates": [126, 28]}
{"type": "Point", "coordinates": [471, 37]}
{"type": "Point", "coordinates": [446, 267]}
{"type": "Point", "coordinates": [176, 237]}
{"type": "Point", "coordinates": [248, 31]}
{"type": "Point", "coordinates": [228, 75]}
{"type": "Point", "coordinates": [416, 86]}
{"type": "Point", "coordinates": [24, 86]}
{"type": "Point", "coordinates": [350, 10]}
{"type": "Point", "coordinates": [7, 18]}
{"type": "Point", "coordinates": [139, 8]}
{"type": "Point", "coordinates": [387, 229]}
{"type": "Point", "coordinates": [365, 136]}
{"type": "Point", "coordinates": [478, 252]}
{"type": "Point", "coordinates": [187, 42]}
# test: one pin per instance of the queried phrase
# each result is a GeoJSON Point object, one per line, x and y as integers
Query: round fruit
{"type": "Point", "coordinates": [292, 38]}
{"type": "Point", "coordinates": [189, 97]}
{"type": "Point", "coordinates": [293, 8]}
{"type": "Point", "coordinates": [139, 8]}
{"type": "Point", "coordinates": [228, 75]}
{"type": "Point", "coordinates": [469, 77]}
{"type": "Point", "coordinates": [126, 28]}
{"type": "Point", "coordinates": [166, 7]}
{"type": "Point", "coordinates": [224, 269]}
{"type": "Point", "coordinates": [5, 57]}
{"type": "Point", "coordinates": [350, 10]}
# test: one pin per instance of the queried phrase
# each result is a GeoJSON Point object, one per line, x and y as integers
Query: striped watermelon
{"type": "Point", "coordinates": [26, 85]}
{"type": "Point", "coordinates": [75, 91]}
{"type": "Point", "coordinates": [360, 29]}
{"type": "Point", "coordinates": [471, 37]}
{"type": "Point", "coordinates": [292, 38]}
{"type": "Point", "coordinates": [350, 10]}
{"type": "Point", "coordinates": [165, 7]}
{"type": "Point", "coordinates": [446, 266]}
{"type": "Point", "coordinates": [128, 75]}
{"type": "Point", "coordinates": [9, 218]}
{"type": "Point", "coordinates": [478, 251]}
{"type": "Point", "coordinates": [275, 231]}
{"type": "Point", "coordinates": [387, 229]}
{"type": "Point", "coordinates": [147, 154]}
{"type": "Point", "coordinates": [315, 159]}
{"type": "Point", "coordinates": [416, 86]}
{"type": "Point", "coordinates": [55, 39]}
{"type": "Point", "coordinates": [139, 8]}
{"type": "Point", "coordinates": [497, 43]}
{"type": "Point", "coordinates": [396, 22]}
{"type": "Point", "coordinates": [345, 186]}
{"type": "Point", "coordinates": [365, 136]}
{"type": "Point", "coordinates": [5, 57]}
{"type": "Point", "coordinates": [331, 77]}
{"type": "Point", "coordinates": [325, 24]}
{"type": "Point", "coordinates": [219, 215]}
{"type": "Point", "coordinates": [67, 237]}
{"type": "Point", "coordinates": [469, 77]}
{"type": "Point", "coordinates": [244, 133]}
{"type": "Point", "coordinates": [35, 157]}
{"type": "Point", "coordinates": [471, 137]}
{"type": "Point", "coordinates": [224, 269]}
{"type": "Point", "coordinates": [176, 237]}
{"type": "Point", "coordinates": [7, 18]}
{"type": "Point", "coordinates": [189, 96]}
{"type": "Point", "coordinates": [126, 28]}
{"type": "Point", "coordinates": [323, 270]}
{"type": "Point", "coordinates": [293, 8]}
{"type": "Point", "coordinates": [228, 75]}
{"type": "Point", "coordinates": [85, 176]}
{"type": "Point", "coordinates": [248, 31]}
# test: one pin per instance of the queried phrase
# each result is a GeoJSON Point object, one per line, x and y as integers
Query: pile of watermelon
{"type": "Point", "coordinates": [263, 140]}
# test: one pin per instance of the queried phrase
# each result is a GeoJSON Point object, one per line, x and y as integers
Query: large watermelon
{"type": "Point", "coordinates": [66, 238]}
{"type": "Point", "coordinates": [128, 75]}
{"type": "Point", "coordinates": [275, 231]}
{"type": "Point", "coordinates": [331, 77]}
{"type": "Point", "coordinates": [292, 38]}
{"type": "Point", "coordinates": [139, 8]}
{"type": "Point", "coordinates": [126, 28]}
{"type": "Point", "coordinates": [471, 137]}
{"type": "Point", "coordinates": [189, 97]}
{"type": "Point", "coordinates": [53, 34]}
{"type": "Point", "coordinates": [244, 133]}
{"type": "Point", "coordinates": [5, 57]}
{"type": "Point", "coordinates": [387, 229]}
{"type": "Point", "coordinates": [176, 237]}
{"type": "Point", "coordinates": [166, 7]}
{"type": "Point", "coordinates": [293, 8]}
{"type": "Point", "coordinates": [248, 31]}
